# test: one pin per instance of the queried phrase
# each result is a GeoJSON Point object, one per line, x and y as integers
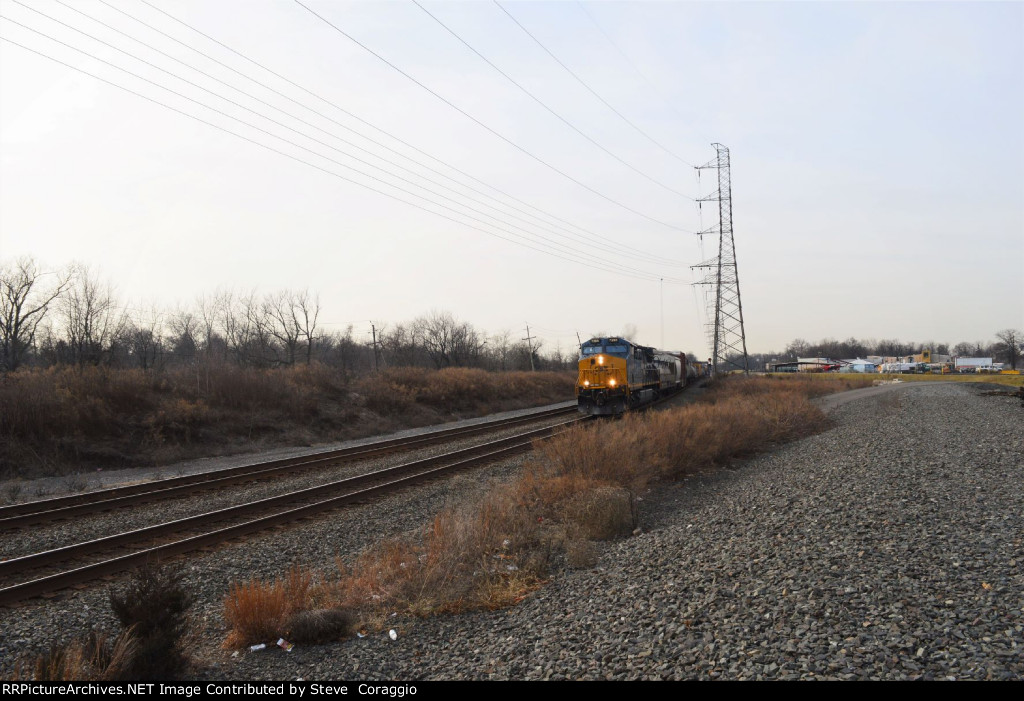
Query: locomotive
{"type": "Point", "coordinates": [616, 375]}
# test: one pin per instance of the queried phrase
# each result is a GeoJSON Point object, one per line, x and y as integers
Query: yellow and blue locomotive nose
{"type": "Point", "coordinates": [602, 387]}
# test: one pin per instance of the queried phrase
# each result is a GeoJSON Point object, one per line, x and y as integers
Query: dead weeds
{"type": "Point", "coordinates": [579, 488]}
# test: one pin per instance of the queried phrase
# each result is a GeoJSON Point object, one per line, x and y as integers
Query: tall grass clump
{"type": "Point", "coordinates": [97, 658]}
{"type": "Point", "coordinates": [258, 611]}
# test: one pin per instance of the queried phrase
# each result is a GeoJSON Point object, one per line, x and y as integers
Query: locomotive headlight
{"type": "Point", "coordinates": [611, 382]}
{"type": "Point", "coordinates": [600, 360]}
{"type": "Point", "coordinates": [586, 383]}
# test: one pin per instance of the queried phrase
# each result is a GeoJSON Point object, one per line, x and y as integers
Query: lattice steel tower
{"type": "Point", "coordinates": [728, 341]}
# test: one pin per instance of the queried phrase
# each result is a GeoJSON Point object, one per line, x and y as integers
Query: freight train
{"type": "Point", "coordinates": [616, 375]}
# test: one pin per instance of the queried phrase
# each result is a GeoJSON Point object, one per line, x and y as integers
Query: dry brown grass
{"type": "Point", "coordinates": [740, 417]}
{"type": "Point", "coordinates": [452, 390]}
{"type": "Point", "coordinates": [68, 418]}
{"type": "Point", "coordinates": [97, 658]}
{"type": "Point", "coordinates": [578, 489]}
{"type": "Point", "coordinates": [258, 611]}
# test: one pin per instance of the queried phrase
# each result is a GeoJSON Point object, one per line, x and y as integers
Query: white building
{"type": "Point", "coordinates": [858, 365]}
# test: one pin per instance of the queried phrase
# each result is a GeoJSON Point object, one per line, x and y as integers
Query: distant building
{"type": "Point", "coordinates": [816, 364]}
{"type": "Point", "coordinates": [925, 356]}
{"type": "Point", "coordinates": [858, 365]}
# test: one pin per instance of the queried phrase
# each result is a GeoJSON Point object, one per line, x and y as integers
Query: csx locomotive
{"type": "Point", "coordinates": [616, 375]}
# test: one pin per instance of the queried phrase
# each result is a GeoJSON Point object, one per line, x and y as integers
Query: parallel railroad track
{"type": "Point", "coordinates": [65, 567]}
{"type": "Point", "coordinates": [60, 568]}
{"type": "Point", "coordinates": [59, 508]}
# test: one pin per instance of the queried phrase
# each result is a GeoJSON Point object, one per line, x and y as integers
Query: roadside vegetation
{"type": "Point", "coordinates": [90, 381]}
{"type": "Point", "coordinates": [63, 419]}
{"type": "Point", "coordinates": [153, 611]}
{"type": "Point", "coordinates": [578, 489]}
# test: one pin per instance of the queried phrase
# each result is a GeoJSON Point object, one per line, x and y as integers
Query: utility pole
{"type": "Point", "coordinates": [727, 333]}
{"type": "Point", "coordinates": [529, 344]}
{"type": "Point", "coordinates": [662, 283]}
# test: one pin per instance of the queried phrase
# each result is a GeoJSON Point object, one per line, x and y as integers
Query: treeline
{"type": "Point", "coordinates": [1008, 347]}
{"type": "Point", "coordinates": [71, 317]}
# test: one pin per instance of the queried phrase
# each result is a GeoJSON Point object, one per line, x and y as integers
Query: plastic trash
{"type": "Point", "coordinates": [393, 634]}
{"type": "Point", "coordinates": [285, 645]}
{"type": "Point", "coordinates": [254, 648]}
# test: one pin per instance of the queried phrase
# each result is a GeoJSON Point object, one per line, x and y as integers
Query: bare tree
{"type": "Point", "coordinates": [184, 341]}
{"type": "Point", "coordinates": [437, 330]}
{"type": "Point", "coordinates": [280, 311]}
{"type": "Point", "coordinates": [1010, 346]}
{"type": "Point", "coordinates": [90, 317]}
{"type": "Point", "coordinates": [398, 345]}
{"type": "Point", "coordinates": [307, 311]}
{"type": "Point", "coordinates": [213, 343]}
{"type": "Point", "coordinates": [502, 348]}
{"type": "Point", "coordinates": [142, 341]}
{"type": "Point", "coordinates": [293, 322]}
{"type": "Point", "coordinates": [798, 348]}
{"type": "Point", "coordinates": [254, 337]}
{"type": "Point", "coordinates": [24, 303]}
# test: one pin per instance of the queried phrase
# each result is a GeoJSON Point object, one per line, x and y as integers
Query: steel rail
{"type": "Point", "coordinates": [356, 489]}
{"type": "Point", "coordinates": [28, 513]}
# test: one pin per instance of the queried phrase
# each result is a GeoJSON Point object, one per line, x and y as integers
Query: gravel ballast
{"type": "Point", "coordinates": [889, 547]}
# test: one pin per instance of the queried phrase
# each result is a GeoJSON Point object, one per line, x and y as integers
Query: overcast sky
{"type": "Point", "coordinates": [877, 160]}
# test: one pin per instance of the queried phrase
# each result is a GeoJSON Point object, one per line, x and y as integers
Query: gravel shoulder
{"type": "Point", "coordinates": [889, 547]}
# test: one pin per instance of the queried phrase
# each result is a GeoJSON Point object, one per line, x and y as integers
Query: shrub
{"type": "Point", "coordinates": [319, 626]}
{"type": "Point", "coordinates": [154, 606]}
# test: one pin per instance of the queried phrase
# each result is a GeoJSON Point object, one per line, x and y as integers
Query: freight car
{"type": "Point", "coordinates": [616, 375]}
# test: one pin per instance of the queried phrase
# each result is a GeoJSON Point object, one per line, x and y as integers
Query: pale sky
{"type": "Point", "coordinates": [877, 160]}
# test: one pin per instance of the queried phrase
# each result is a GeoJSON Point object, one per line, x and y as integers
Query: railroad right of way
{"type": "Point", "coordinates": [889, 547]}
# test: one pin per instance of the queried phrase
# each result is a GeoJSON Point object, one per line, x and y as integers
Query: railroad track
{"type": "Point", "coordinates": [64, 567]}
{"type": "Point", "coordinates": [60, 508]}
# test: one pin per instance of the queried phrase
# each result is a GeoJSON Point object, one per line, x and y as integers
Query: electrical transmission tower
{"type": "Point", "coordinates": [728, 341]}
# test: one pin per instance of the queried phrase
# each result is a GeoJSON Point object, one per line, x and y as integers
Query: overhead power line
{"type": "Point", "coordinates": [481, 124]}
{"type": "Point", "coordinates": [591, 90]}
{"type": "Point", "coordinates": [436, 194]}
{"type": "Point", "coordinates": [549, 215]}
{"type": "Point", "coordinates": [549, 109]}
{"type": "Point", "coordinates": [618, 270]}
{"type": "Point", "coordinates": [628, 60]}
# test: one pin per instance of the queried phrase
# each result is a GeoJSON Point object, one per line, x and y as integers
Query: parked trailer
{"type": "Point", "coordinates": [972, 364]}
